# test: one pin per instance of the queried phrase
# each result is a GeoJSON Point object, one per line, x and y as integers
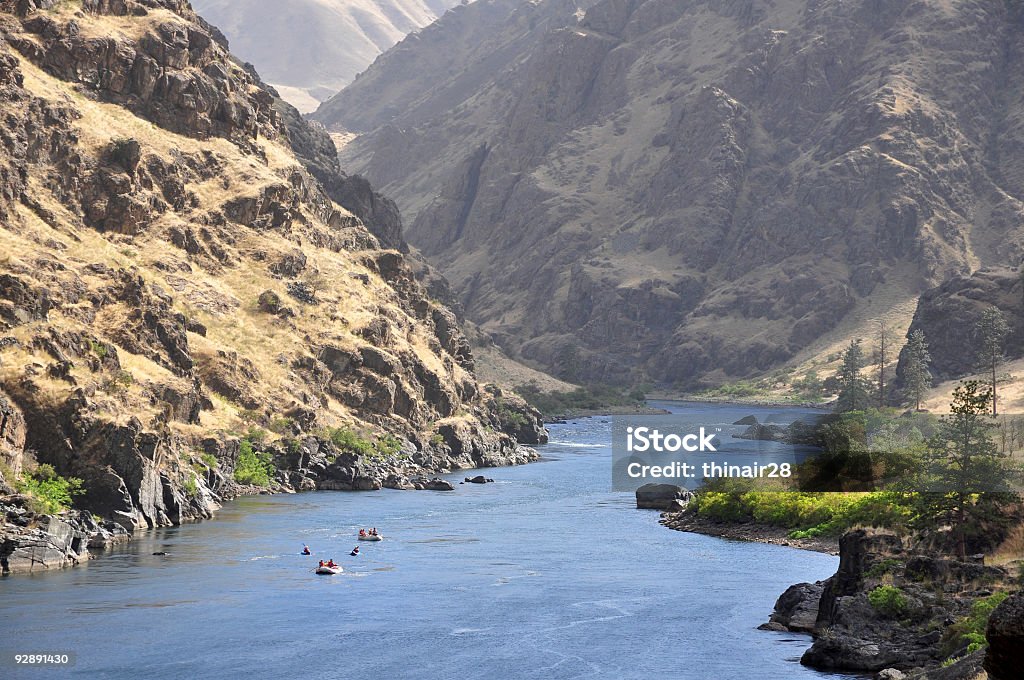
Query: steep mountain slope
{"type": "Point", "coordinates": [173, 274]}
{"type": "Point", "coordinates": [696, 191]}
{"type": "Point", "coordinates": [310, 49]}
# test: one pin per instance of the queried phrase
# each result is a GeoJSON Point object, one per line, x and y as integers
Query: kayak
{"type": "Point", "coordinates": [328, 571]}
{"type": "Point", "coordinates": [369, 537]}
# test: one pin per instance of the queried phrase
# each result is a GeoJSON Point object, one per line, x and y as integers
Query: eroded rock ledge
{"type": "Point", "coordinates": [851, 634]}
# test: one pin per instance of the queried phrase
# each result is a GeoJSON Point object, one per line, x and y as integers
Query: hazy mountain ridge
{"type": "Point", "coordinates": [694, 190]}
{"type": "Point", "coordinates": [310, 49]}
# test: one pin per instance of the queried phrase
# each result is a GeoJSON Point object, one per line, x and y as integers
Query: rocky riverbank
{"type": "Point", "coordinates": [898, 610]}
{"type": "Point", "coordinates": [757, 533]}
{"type": "Point", "coordinates": [32, 541]}
{"type": "Point", "coordinates": [603, 412]}
{"type": "Point", "coordinates": [896, 607]}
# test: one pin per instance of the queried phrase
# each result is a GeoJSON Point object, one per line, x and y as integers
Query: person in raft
{"type": "Point", "coordinates": [305, 550]}
{"type": "Point", "coordinates": [355, 551]}
{"type": "Point", "coordinates": [331, 564]}
{"type": "Point", "coordinates": [362, 532]}
{"type": "Point", "coordinates": [321, 563]}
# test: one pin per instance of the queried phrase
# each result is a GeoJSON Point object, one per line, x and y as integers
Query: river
{"type": "Point", "coordinates": [544, 574]}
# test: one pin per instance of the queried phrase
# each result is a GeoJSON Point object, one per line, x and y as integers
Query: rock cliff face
{"type": "Point", "coordinates": [696, 191]}
{"type": "Point", "coordinates": [179, 267]}
{"type": "Point", "coordinates": [948, 314]}
{"type": "Point", "coordinates": [853, 634]}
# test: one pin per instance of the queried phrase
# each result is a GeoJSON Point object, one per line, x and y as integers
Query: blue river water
{"type": "Point", "coordinates": [546, 573]}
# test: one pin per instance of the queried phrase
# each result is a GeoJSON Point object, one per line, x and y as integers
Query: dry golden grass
{"type": "Point", "coordinates": [493, 366]}
{"type": "Point", "coordinates": [1011, 551]}
{"type": "Point", "coordinates": [1010, 392]}
{"type": "Point", "coordinates": [111, 26]}
{"type": "Point", "coordinates": [222, 296]}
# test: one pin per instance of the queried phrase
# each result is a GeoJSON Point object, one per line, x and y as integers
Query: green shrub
{"type": "Point", "coordinates": [348, 440]}
{"type": "Point", "coordinates": [388, 445]}
{"type": "Point", "coordinates": [51, 492]}
{"type": "Point", "coordinates": [510, 416]}
{"type": "Point", "coordinates": [118, 383]}
{"type": "Point", "coordinates": [889, 601]}
{"type": "Point", "coordinates": [809, 514]}
{"type": "Point", "coordinates": [253, 467]}
{"type": "Point", "coordinates": [191, 487]}
{"type": "Point", "coordinates": [281, 425]}
{"type": "Point", "coordinates": [970, 630]}
{"type": "Point", "coordinates": [99, 349]}
{"type": "Point", "coordinates": [250, 416]}
{"type": "Point", "coordinates": [257, 436]}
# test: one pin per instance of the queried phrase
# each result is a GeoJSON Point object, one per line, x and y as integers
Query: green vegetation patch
{"type": "Point", "coordinates": [970, 630]}
{"type": "Point", "coordinates": [253, 467]}
{"type": "Point", "coordinates": [348, 440]}
{"type": "Point", "coordinates": [889, 601]}
{"type": "Point", "coordinates": [50, 492]}
{"type": "Point", "coordinates": [808, 514]}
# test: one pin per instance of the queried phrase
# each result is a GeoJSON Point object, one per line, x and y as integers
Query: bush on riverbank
{"type": "Point", "coordinates": [50, 492]}
{"type": "Point", "coordinates": [808, 514]}
{"type": "Point", "coordinates": [970, 631]}
{"type": "Point", "coordinates": [253, 467]}
{"type": "Point", "coordinates": [350, 441]}
{"type": "Point", "coordinates": [889, 601]}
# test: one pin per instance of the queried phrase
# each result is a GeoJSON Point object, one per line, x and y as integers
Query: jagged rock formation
{"type": "Point", "coordinates": [33, 542]}
{"type": "Point", "coordinates": [948, 315]}
{"type": "Point", "coordinates": [850, 634]}
{"type": "Point", "coordinates": [310, 49]}
{"type": "Point", "coordinates": [696, 191]}
{"type": "Point", "coordinates": [1005, 655]}
{"type": "Point", "coordinates": [174, 271]}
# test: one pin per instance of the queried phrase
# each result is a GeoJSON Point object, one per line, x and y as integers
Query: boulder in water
{"type": "Point", "coordinates": [660, 496]}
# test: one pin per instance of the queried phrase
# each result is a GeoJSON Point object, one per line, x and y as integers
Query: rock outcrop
{"type": "Point", "coordinates": [856, 630]}
{"type": "Point", "coordinates": [188, 310]}
{"type": "Point", "coordinates": [35, 543]}
{"type": "Point", "coordinates": [661, 496]}
{"type": "Point", "coordinates": [1004, 658]}
{"type": "Point", "coordinates": [797, 609]}
{"type": "Point", "coordinates": [948, 314]}
{"type": "Point", "coordinates": [694, 192]}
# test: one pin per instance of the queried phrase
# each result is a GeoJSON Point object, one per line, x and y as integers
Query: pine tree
{"type": "Point", "coordinates": [853, 388]}
{"type": "Point", "coordinates": [882, 337]}
{"type": "Point", "coordinates": [915, 373]}
{"type": "Point", "coordinates": [962, 462]}
{"type": "Point", "coordinates": [991, 331]}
